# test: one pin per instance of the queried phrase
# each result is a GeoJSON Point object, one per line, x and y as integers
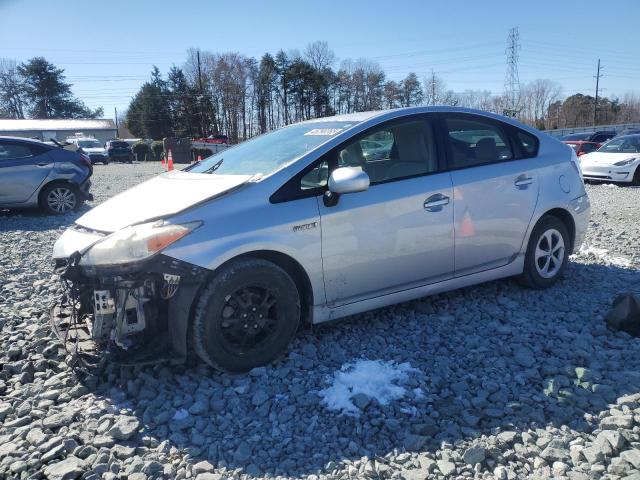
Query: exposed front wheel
{"type": "Point", "coordinates": [246, 316]}
{"type": "Point", "coordinates": [58, 199]}
{"type": "Point", "coordinates": [547, 253]}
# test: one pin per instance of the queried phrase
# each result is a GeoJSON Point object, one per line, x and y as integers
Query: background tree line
{"type": "Point", "coordinates": [239, 96]}
{"type": "Point", "coordinates": [37, 89]}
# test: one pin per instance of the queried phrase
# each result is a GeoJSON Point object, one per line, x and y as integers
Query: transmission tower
{"type": "Point", "coordinates": [511, 80]}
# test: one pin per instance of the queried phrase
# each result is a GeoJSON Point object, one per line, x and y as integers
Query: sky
{"type": "Point", "coordinates": [107, 49]}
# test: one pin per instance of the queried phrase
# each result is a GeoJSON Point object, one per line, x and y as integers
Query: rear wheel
{"type": "Point", "coordinates": [247, 315]}
{"type": "Point", "coordinates": [547, 253]}
{"type": "Point", "coordinates": [59, 198]}
{"type": "Point", "coordinates": [636, 177]}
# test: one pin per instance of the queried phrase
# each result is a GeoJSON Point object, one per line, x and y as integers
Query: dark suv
{"type": "Point", "coordinates": [119, 150]}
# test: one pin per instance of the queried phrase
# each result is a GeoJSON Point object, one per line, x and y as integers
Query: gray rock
{"type": "Point", "coordinates": [259, 398]}
{"type": "Point", "coordinates": [615, 422]}
{"type": "Point", "coordinates": [68, 469]}
{"type": "Point", "coordinates": [125, 427]}
{"type": "Point", "coordinates": [202, 467]}
{"type": "Point", "coordinates": [631, 456]}
{"type": "Point", "coordinates": [474, 454]}
{"type": "Point", "coordinates": [446, 467]}
{"type": "Point", "coordinates": [57, 420]}
{"type": "Point", "coordinates": [360, 400]}
{"type": "Point", "coordinates": [243, 453]}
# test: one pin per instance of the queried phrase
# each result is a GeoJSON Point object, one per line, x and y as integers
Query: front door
{"type": "Point", "coordinates": [495, 192]}
{"type": "Point", "coordinates": [397, 234]}
{"type": "Point", "coordinates": [23, 168]}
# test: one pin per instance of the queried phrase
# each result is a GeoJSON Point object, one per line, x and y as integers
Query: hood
{"type": "Point", "coordinates": [601, 158]}
{"type": "Point", "coordinates": [164, 195]}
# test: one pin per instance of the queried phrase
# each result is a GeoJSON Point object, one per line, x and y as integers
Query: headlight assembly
{"type": "Point", "coordinates": [624, 162]}
{"type": "Point", "coordinates": [135, 243]}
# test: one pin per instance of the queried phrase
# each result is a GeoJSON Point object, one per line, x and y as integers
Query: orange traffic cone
{"type": "Point", "coordinates": [199, 158]}
{"type": "Point", "coordinates": [170, 162]}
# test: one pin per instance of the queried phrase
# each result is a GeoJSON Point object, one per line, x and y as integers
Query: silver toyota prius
{"type": "Point", "coordinates": [314, 222]}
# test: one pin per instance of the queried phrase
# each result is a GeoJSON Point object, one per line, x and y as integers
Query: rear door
{"type": "Point", "coordinates": [495, 189]}
{"type": "Point", "coordinates": [23, 168]}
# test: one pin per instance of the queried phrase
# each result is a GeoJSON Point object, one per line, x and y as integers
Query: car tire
{"type": "Point", "coordinates": [636, 177]}
{"type": "Point", "coordinates": [60, 198]}
{"type": "Point", "coordinates": [547, 254]}
{"type": "Point", "coordinates": [246, 316]}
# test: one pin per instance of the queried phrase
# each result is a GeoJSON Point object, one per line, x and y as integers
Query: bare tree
{"type": "Point", "coordinates": [319, 55]}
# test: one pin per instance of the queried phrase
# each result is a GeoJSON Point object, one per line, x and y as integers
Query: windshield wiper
{"type": "Point", "coordinates": [214, 167]}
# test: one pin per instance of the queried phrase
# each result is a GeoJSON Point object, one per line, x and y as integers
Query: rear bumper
{"type": "Point", "coordinates": [580, 208]}
{"type": "Point", "coordinates": [84, 190]}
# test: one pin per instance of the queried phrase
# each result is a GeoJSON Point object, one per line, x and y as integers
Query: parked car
{"type": "Point", "coordinates": [35, 174]}
{"type": "Point", "coordinates": [93, 148]}
{"type": "Point", "coordinates": [597, 137]}
{"type": "Point", "coordinates": [298, 226]}
{"type": "Point", "coordinates": [616, 161]}
{"type": "Point", "coordinates": [119, 150]}
{"type": "Point", "coordinates": [581, 147]}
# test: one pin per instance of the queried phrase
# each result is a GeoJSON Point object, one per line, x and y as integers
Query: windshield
{"type": "Point", "coordinates": [89, 144]}
{"type": "Point", "coordinates": [622, 145]}
{"type": "Point", "coordinates": [267, 153]}
{"type": "Point", "coordinates": [118, 144]}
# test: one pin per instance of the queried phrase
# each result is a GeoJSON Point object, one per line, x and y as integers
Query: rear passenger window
{"type": "Point", "coordinates": [528, 142]}
{"type": "Point", "coordinates": [11, 151]}
{"type": "Point", "coordinates": [476, 142]}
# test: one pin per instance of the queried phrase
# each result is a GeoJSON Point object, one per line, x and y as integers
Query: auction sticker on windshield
{"type": "Point", "coordinates": [324, 131]}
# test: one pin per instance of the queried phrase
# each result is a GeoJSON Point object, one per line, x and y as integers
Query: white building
{"type": "Point", "coordinates": [59, 129]}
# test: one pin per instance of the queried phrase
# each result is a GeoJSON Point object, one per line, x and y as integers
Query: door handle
{"type": "Point", "coordinates": [522, 181]}
{"type": "Point", "coordinates": [43, 164]}
{"type": "Point", "coordinates": [435, 202]}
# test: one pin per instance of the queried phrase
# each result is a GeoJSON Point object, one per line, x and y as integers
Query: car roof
{"type": "Point", "coordinates": [382, 115]}
{"type": "Point", "coordinates": [23, 139]}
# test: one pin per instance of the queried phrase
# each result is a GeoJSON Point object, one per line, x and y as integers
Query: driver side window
{"type": "Point", "coordinates": [393, 152]}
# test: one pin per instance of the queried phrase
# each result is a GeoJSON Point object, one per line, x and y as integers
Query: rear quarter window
{"type": "Point", "coordinates": [527, 142]}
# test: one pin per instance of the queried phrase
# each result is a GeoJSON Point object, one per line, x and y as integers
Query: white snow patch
{"type": "Point", "coordinates": [603, 254]}
{"type": "Point", "coordinates": [375, 378]}
{"type": "Point", "coordinates": [180, 414]}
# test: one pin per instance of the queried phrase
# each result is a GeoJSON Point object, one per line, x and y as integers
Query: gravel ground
{"type": "Point", "coordinates": [493, 381]}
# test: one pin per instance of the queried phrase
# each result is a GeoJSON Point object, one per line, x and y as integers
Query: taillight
{"type": "Point", "coordinates": [85, 159]}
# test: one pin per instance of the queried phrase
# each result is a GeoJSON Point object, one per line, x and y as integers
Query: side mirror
{"type": "Point", "coordinates": [348, 180]}
{"type": "Point", "coordinates": [345, 180]}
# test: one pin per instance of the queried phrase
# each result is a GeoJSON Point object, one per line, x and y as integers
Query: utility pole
{"type": "Point", "coordinates": [512, 80]}
{"type": "Point", "coordinates": [433, 87]}
{"type": "Point", "coordinates": [202, 130]}
{"type": "Point", "coordinates": [115, 109]}
{"type": "Point", "coordinates": [595, 104]}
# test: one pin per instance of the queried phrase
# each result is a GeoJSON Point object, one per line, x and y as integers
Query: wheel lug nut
{"type": "Point", "coordinates": [255, 326]}
{"type": "Point", "coordinates": [246, 326]}
{"type": "Point", "coordinates": [244, 315]}
{"type": "Point", "coordinates": [253, 309]}
{"type": "Point", "coordinates": [260, 316]}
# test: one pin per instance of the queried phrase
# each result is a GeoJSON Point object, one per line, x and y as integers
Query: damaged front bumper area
{"type": "Point", "coordinates": [129, 315]}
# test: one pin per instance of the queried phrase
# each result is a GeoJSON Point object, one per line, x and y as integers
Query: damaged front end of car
{"type": "Point", "coordinates": [124, 301]}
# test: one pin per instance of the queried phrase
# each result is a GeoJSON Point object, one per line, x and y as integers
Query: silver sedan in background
{"type": "Point", "coordinates": [36, 174]}
{"type": "Point", "coordinates": [227, 257]}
